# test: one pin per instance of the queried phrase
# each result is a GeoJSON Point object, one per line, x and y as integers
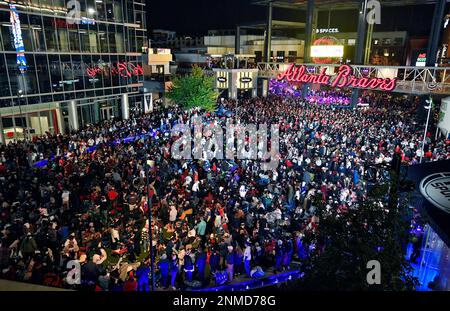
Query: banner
{"type": "Point", "coordinates": [18, 40]}
{"type": "Point", "coordinates": [148, 102]}
{"type": "Point", "coordinates": [432, 182]}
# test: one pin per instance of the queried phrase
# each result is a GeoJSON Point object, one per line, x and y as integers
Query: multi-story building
{"type": "Point", "coordinates": [68, 63]}
{"type": "Point", "coordinates": [158, 70]}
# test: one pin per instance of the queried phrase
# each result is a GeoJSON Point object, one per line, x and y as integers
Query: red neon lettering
{"type": "Point", "coordinates": [124, 69]}
{"type": "Point", "coordinates": [343, 78]}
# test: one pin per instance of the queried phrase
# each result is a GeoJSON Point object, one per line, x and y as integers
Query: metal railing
{"type": "Point", "coordinates": [414, 80]}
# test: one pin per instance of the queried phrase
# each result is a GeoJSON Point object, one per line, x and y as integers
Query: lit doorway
{"type": "Point", "coordinates": [106, 113]}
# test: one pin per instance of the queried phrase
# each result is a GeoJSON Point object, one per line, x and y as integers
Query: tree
{"type": "Point", "coordinates": [194, 91]}
{"type": "Point", "coordinates": [345, 242]}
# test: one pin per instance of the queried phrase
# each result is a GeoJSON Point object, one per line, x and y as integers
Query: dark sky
{"type": "Point", "coordinates": [195, 17]}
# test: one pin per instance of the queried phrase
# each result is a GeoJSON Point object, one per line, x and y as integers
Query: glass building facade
{"type": "Point", "coordinates": [68, 63]}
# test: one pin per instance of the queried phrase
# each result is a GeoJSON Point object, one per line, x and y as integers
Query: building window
{"type": "Point", "coordinates": [280, 56]}
{"type": "Point", "coordinates": [258, 56]}
{"type": "Point", "coordinates": [292, 56]}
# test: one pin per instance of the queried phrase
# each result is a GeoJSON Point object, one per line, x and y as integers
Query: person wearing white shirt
{"type": "Point", "coordinates": [247, 258]}
{"type": "Point", "coordinates": [242, 191]}
{"type": "Point", "coordinates": [196, 186]}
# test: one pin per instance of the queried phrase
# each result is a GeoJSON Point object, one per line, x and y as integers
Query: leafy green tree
{"type": "Point", "coordinates": [345, 242]}
{"type": "Point", "coordinates": [194, 91]}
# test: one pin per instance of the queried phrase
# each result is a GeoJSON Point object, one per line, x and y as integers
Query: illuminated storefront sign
{"type": "Point", "coordinates": [421, 60]}
{"type": "Point", "coordinates": [327, 30]}
{"type": "Point", "coordinates": [343, 78]}
{"type": "Point", "coordinates": [221, 79]}
{"type": "Point", "coordinates": [327, 51]}
{"type": "Point", "coordinates": [123, 69]}
{"type": "Point", "coordinates": [246, 80]}
{"type": "Point", "coordinates": [18, 40]}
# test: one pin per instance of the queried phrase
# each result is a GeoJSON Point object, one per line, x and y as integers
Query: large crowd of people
{"type": "Point", "coordinates": [91, 199]}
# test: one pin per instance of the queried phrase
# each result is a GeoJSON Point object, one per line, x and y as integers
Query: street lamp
{"type": "Point", "coordinates": [429, 108]}
{"type": "Point", "coordinates": [150, 228]}
{"type": "Point", "coordinates": [20, 95]}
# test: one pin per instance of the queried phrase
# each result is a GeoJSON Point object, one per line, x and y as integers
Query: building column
{"type": "Point", "coordinates": [265, 87]}
{"type": "Point", "coordinates": [361, 35]}
{"type": "Point", "coordinates": [360, 44]}
{"type": "Point", "coordinates": [308, 32]}
{"type": "Point", "coordinates": [308, 41]}
{"type": "Point", "coordinates": [237, 41]}
{"type": "Point", "coordinates": [2, 138]}
{"type": "Point", "coordinates": [73, 115]}
{"type": "Point", "coordinates": [96, 112]}
{"type": "Point", "coordinates": [268, 39]}
{"type": "Point", "coordinates": [435, 33]}
{"type": "Point", "coordinates": [125, 107]}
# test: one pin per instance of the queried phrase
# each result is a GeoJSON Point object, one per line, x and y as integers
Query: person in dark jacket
{"type": "Point", "coordinates": [201, 263]}
{"type": "Point", "coordinates": [287, 256]}
{"type": "Point", "coordinates": [230, 259]}
{"type": "Point", "coordinates": [28, 247]}
{"type": "Point", "coordinates": [142, 274]}
{"type": "Point", "coordinates": [214, 261]}
{"type": "Point", "coordinates": [164, 266]}
{"type": "Point", "coordinates": [278, 255]}
{"type": "Point", "coordinates": [173, 270]}
{"type": "Point", "coordinates": [188, 266]}
{"type": "Point", "coordinates": [90, 273]}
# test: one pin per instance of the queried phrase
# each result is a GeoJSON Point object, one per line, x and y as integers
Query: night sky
{"type": "Point", "coordinates": [196, 17]}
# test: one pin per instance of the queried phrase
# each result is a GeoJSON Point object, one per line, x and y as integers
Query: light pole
{"type": "Point", "coordinates": [430, 107]}
{"type": "Point", "coordinates": [20, 95]}
{"type": "Point", "coordinates": [150, 227]}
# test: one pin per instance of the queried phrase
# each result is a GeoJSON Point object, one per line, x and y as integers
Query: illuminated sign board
{"type": "Point", "coordinates": [327, 30]}
{"type": "Point", "coordinates": [421, 60]}
{"type": "Point", "coordinates": [327, 51]}
{"type": "Point", "coordinates": [123, 69]}
{"type": "Point", "coordinates": [222, 79]}
{"type": "Point", "coordinates": [246, 80]}
{"type": "Point", "coordinates": [343, 78]}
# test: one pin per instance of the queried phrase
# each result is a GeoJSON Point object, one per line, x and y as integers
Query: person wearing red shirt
{"type": "Point", "coordinates": [130, 284]}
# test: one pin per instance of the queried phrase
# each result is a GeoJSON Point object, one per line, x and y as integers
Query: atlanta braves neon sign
{"type": "Point", "coordinates": [343, 78]}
